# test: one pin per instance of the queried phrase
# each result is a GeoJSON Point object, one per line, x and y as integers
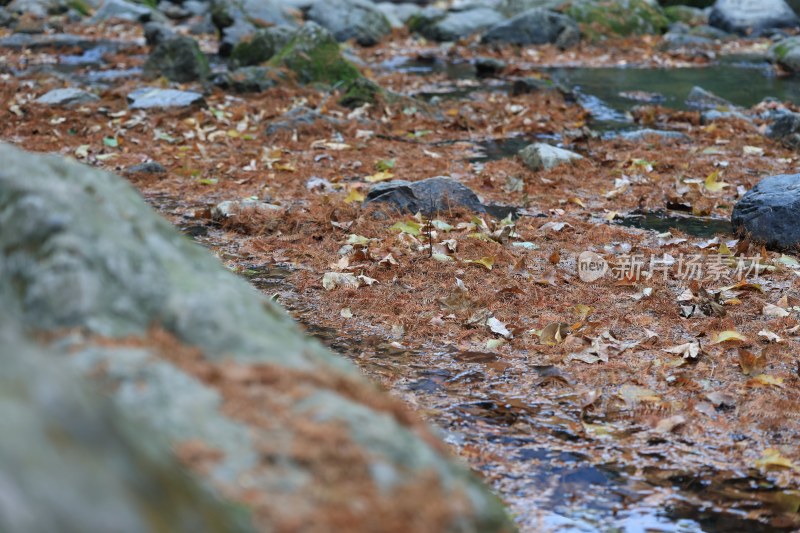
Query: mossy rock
{"type": "Point", "coordinates": [359, 92]}
{"type": "Point", "coordinates": [787, 53]}
{"type": "Point", "coordinates": [314, 56]}
{"type": "Point", "coordinates": [688, 15]}
{"type": "Point", "coordinates": [689, 3]}
{"type": "Point", "coordinates": [261, 46]}
{"type": "Point", "coordinates": [609, 18]}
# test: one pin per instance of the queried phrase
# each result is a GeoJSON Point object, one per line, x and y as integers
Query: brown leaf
{"type": "Point", "coordinates": [750, 363]}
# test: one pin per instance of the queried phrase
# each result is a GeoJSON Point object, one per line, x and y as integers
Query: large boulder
{"type": "Point", "coordinates": [273, 420]}
{"type": "Point", "coordinates": [607, 18]}
{"type": "Point", "coordinates": [786, 53]}
{"type": "Point", "coordinates": [770, 212]}
{"type": "Point", "coordinates": [313, 55]}
{"type": "Point", "coordinates": [460, 24]}
{"type": "Point", "coordinates": [177, 58]}
{"type": "Point", "coordinates": [535, 26]}
{"type": "Point", "coordinates": [785, 129]}
{"type": "Point", "coordinates": [398, 14]}
{"type": "Point", "coordinates": [351, 19]}
{"type": "Point", "coordinates": [73, 462]}
{"type": "Point", "coordinates": [752, 16]}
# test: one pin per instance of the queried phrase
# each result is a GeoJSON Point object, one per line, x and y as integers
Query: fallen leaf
{"type": "Point", "coordinates": [750, 363]}
{"type": "Point", "coordinates": [772, 459]}
{"type": "Point", "coordinates": [485, 262]}
{"type": "Point", "coordinates": [554, 333]}
{"type": "Point", "coordinates": [633, 394]}
{"type": "Point", "coordinates": [384, 175]}
{"type": "Point", "coordinates": [332, 280]}
{"type": "Point", "coordinates": [354, 196]}
{"type": "Point", "coordinates": [728, 335]}
{"type": "Point", "coordinates": [774, 311]}
{"type": "Point", "coordinates": [668, 425]}
{"type": "Point", "coordinates": [713, 184]}
{"type": "Point", "coordinates": [765, 380]}
{"type": "Point", "coordinates": [495, 326]}
{"type": "Point", "coordinates": [689, 350]}
{"type": "Point", "coordinates": [412, 228]}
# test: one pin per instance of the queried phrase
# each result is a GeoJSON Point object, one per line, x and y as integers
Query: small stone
{"type": "Point", "coordinates": [123, 10]}
{"type": "Point", "coordinates": [231, 208]}
{"type": "Point", "coordinates": [770, 212]}
{"type": "Point", "coordinates": [541, 156]}
{"type": "Point", "coordinates": [700, 98]}
{"type": "Point", "coordinates": [461, 24]}
{"type": "Point", "coordinates": [429, 196]}
{"type": "Point", "coordinates": [67, 97]}
{"type": "Point", "coordinates": [155, 33]}
{"type": "Point", "coordinates": [149, 97]}
{"type": "Point", "coordinates": [351, 19]}
{"type": "Point", "coordinates": [150, 167]}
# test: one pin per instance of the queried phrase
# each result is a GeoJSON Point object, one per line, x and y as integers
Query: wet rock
{"type": "Point", "coordinates": [488, 67]}
{"type": "Point", "coordinates": [424, 18]}
{"type": "Point", "coordinates": [398, 14]}
{"type": "Point", "coordinates": [72, 461]}
{"type": "Point", "coordinates": [261, 45]}
{"type": "Point", "coordinates": [530, 85]}
{"type": "Point", "coordinates": [429, 196]}
{"type": "Point", "coordinates": [67, 97]}
{"type": "Point", "coordinates": [150, 97]}
{"type": "Point", "coordinates": [752, 16]}
{"type": "Point", "coordinates": [86, 253]}
{"type": "Point", "coordinates": [156, 32]}
{"type": "Point", "coordinates": [541, 156]}
{"type": "Point", "coordinates": [512, 8]}
{"type": "Point", "coordinates": [178, 59]}
{"type": "Point", "coordinates": [786, 129]}
{"type": "Point", "coordinates": [460, 24]}
{"type": "Point", "coordinates": [59, 41]}
{"type": "Point", "coordinates": [535, 26]}
{"type": "Point", "coordinates": [786, 53]}
{"type": "Point", "coordinates": [647, 133]}
{"type": "Point", "coordinates": [150, 167]}
{"type": "Point", "coordinates": [351, 19]}
{"type": "Point", "coordinates": [314, 56]}
{"type": "Point", "coordinates": [124, 10]}
{"type": "Point", "coordinates": [602, 18]}
{"type": "Point", "coordinates": [173, 10]}
{"type": "Point", "coordinates": [237, 20]}
{"type": "Point", "coordinates": [250, 79]}
{"type": "Point", "coordinates": [700, 98]}
{"type": "Point", "coordinates": [231, 208]}
{"type": "Point", "coordinates": [770, 212]}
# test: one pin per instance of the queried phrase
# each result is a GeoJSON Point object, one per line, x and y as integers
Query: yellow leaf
{"type": "Point", "coordinates": [485, 262]}
{"type": "Point", "coordinates": [383, 175]}
{"type": "Point", "coordinates": [577, 201]}
{"type": "Point", "coordinates": [772, 459]}
{"type": "Point", "coordinates": [582, 311]}
{"type": "Point", "coordinates": [724, 250]}
{"type": "Point", "coordinates": [554, 334]}
{"type": "Point", "coordinates": [765, 379]}
{"type": "Point", "coordinates": [611, 215]}
{"type": "Point", "coordinates": [713, 184]}
{"type": "Point", "coordinates": [288, 167]}
{"type": "Point", "coordinates": [354, 196]}
{"type": "Point", "coordinates": [412, 228]}
{"type": "Point", "coordinates": [728, 335]}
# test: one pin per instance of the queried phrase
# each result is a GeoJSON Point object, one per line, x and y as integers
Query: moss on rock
{"type": "Point", "coordinates": [607, 18]}
{"type": "Point", "coordinates": [359, 92]}
{"type": "Point", "coordinates": [314, 56]}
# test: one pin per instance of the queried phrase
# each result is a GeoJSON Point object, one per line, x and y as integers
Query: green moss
{"type": "Point", "coordinates": [604, 18]}
{"type": "Point", "coordinates": [359, 92]}
{"type": "Point", "coordinates": [685, 14]}
{"type": "Point", "coordinates": [81, 6]}
{"type": "Point", "coordinates": [314, 56]}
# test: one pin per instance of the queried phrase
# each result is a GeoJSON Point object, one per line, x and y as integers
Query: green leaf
{"type": "Point", "coordinates": [412, 228]}
{"type": "Point", "coordinates": [111, 142]}
{"type": "Point", "coordinates": [385, 165]}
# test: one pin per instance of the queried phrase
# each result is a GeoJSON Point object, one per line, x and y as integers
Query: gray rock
{"type": "Point", "coordinates": [7, 19]}
{"type": "Point", "coordinates": [535, 26]}
{"type": "Point", "coordinates": [296, 118]}
{"type": "Point", "coordinates": [237, 20]}
{"type": "Point", "coordinates": [648, 133]}
{"type": "Point", "coordinates": [314, 56]}
{"type": "Point", "coordinates": [151, 167]}
{"type": "Point", "coordinates": [179, 59]}
{"type": "Point", "coordinates": [156, 32]}
{"type": "Point", "coordinates": [712, 115]}
{"type": "Point", "coordinates": [710, 32]}
{"type": "Point", "coordinates": [786, 129]}
{"type": "Point", "coordinates": [173, 11]}
{"type": "Point", "coordinates": [351, 19]}
{"type": "Point", "coordinates": [752, 16]}
{"type": "Point", "coordinates": [786, 53]}
{"type": "Point", "coordinates": [19, 41]}
{"type": "Point", "coordinates": [231, 208]}
{"type": "Point", "coordinates": [37, 8]}
{"type": "Point", "coordinates": [72, 462]}
{"type": "Point", "coordinates": [770, 212]}
{"type": "Point", "coordinates": [67, 97]}
{"type": "Point", "coordinates": [151, 97]}
{"type": "Point", "coordinates": [124, 10]}
{"type": "Point", "coordinates": [251, 79]}
{"type": "Point", "coordinates": [512, 8]}
{"type": "Point", "coordinates": [700, 98]}
{"type": "Point", "coordinates": [541, 156]}
{"type": "Point", "coordinates": [261, 45]}
{"type": "Point", "coordinates": [398, 14]}
{"type": "Point", "coordinates": [676, 41]}
{"type": "Point", "coordinates": [461, 24]}
{"type": "Point", "coordinates": [79, 248]}
{"type": "Point", "coordinates": [429, 196]}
